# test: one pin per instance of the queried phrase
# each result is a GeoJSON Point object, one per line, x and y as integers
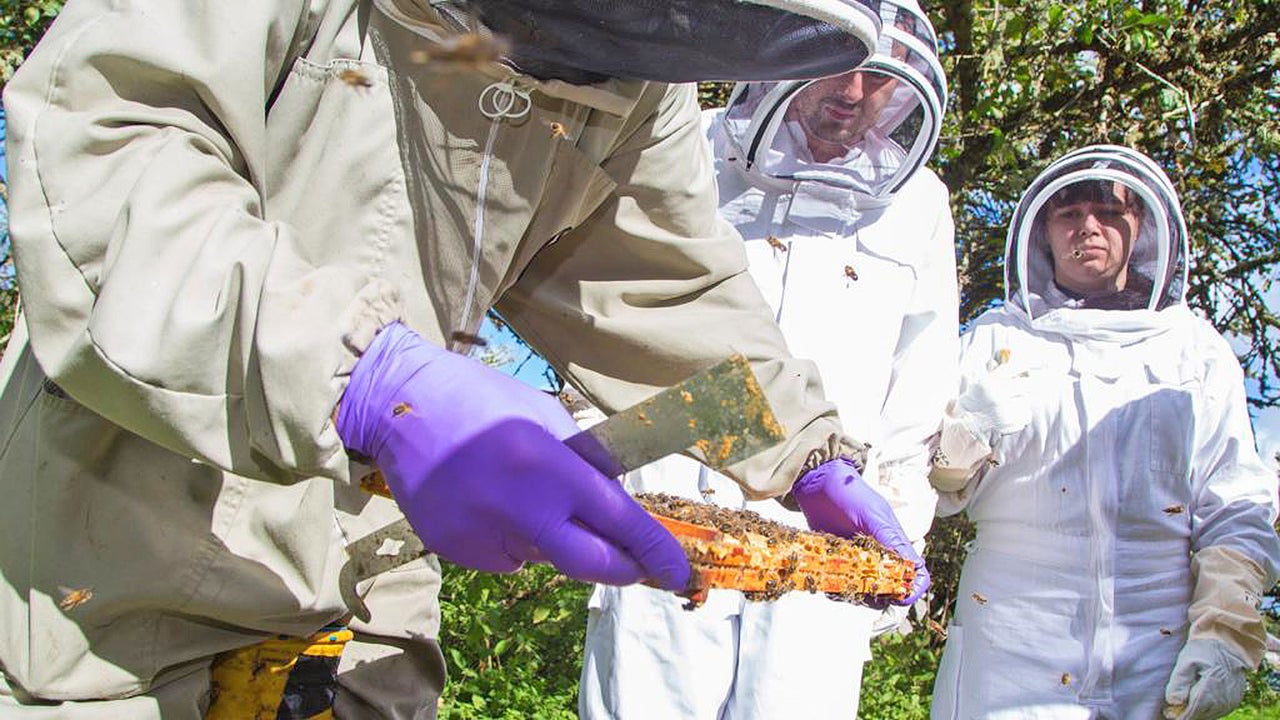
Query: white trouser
{"type": "Point", "coordinates": [648, 657]}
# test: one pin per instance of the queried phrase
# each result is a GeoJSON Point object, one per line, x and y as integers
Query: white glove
{"type": "Point", "coordinates": [997, 404]}
{"type": "Point", "coordinates": [1208, 682]}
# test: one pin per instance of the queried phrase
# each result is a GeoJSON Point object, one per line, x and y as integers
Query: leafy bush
{"type": "Point", "coordinates": [513, 643]}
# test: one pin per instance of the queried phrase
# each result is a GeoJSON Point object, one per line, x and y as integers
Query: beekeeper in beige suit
{"type": "Point", "coordinates": [225, 213]}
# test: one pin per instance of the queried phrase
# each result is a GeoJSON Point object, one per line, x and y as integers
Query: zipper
{"type": "Point", "coordinates": [766, 121]}
{"type": "Point", "coordinates": [499, 101]}
{"type": "Point", "coordinates": [477, 229]}
{"type": "Point", "coordinates": [786, 264]}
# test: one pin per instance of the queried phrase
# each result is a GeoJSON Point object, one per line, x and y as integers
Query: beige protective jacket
{"type": "Point", "coordinates": [214, 206]}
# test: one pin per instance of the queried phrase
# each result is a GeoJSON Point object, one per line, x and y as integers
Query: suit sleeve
{"type": "Point", "coordinates": [156, 292]}
{"type": "Point", "coordinates": [1235, 493]}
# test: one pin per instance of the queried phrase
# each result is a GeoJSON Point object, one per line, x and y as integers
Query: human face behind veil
{"type": "Point", "coordinates": [1090, 228]}
{"type": "Point", "coordinates": [836, 112]}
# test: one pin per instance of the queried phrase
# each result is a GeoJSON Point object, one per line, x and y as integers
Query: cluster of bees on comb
{"type": "Point", "coordinates": [741, 550]}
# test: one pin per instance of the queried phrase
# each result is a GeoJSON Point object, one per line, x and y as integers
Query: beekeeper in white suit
{"type": "Point", "coordinates": [851, 240]}
{"type": "Point", "coordinates": [1102, 446]}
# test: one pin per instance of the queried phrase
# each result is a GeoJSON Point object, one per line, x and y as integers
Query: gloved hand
{"type": "Point", "coordinates": [834, 498]}
{"type": "Point", "coordinates": [475, 460]}
{"type": "Point", "coordinates": [998, 403]}
{"type": "Point", "coordinates": [1208, 681]}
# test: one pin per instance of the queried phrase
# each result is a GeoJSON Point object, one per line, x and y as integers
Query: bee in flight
{"type": "Point", "coordinates": [74, 598]}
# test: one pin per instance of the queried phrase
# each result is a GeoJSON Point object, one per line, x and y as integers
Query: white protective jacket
{"type": "Point", "coordinates": [859, 267]}
{"type": "Point", "coordinates": [1073, 602]}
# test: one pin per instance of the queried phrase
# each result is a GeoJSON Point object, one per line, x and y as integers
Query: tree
{"type": "Point", "coordinates": [1193, 84]}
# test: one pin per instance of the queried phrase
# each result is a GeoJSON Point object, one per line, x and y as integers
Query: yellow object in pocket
{"type": "Point", "coordinates": [283, 678]}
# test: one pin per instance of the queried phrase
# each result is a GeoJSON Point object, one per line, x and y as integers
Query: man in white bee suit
{"type": "Point", "coordinates": [1102, 446]}
{"type": "Point", "coordinates": [249, 237]}
{"type": "Point", "coordinates": [851, 239]}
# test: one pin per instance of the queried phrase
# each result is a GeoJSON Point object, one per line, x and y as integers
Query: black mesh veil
{"type": "Point", "coordinates": [585, 41]}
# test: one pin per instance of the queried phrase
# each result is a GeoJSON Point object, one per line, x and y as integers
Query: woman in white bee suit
{"type": "Point", "coordinates": [1101, 444]}
{"type": "Point", "coordinates": [851, 240]}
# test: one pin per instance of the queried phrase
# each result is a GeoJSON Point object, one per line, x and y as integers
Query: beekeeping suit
{"type": "Point", "coordinates": [1102, 446]}
{"type": "Point", "coordinates": [215, 207]}
{"type": "Point", "coordinates": [856, 258]}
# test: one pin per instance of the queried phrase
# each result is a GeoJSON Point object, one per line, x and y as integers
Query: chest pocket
{"type": "Point", "coordinates": [1172, 411]}
{"type": "Point", "coordinates": [333, 170]}
{"type": "Point", "coordinates": [575, 187]}
{"type": "Point", "coordinates": [1159, 499]}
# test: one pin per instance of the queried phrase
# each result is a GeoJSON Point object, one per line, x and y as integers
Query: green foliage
{"type": "Point", "coordinates": [22, 22]}
{"type": "Point", "coordinates": [898, 682]}
{"type": "Point", "coordinates": [513, 643]}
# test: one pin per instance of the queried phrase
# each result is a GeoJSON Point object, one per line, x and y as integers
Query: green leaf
{"type": "Point", "coordinates": [540, 614]}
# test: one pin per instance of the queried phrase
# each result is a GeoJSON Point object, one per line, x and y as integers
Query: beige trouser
{"type": "Point", "coordinates": [378, 677]}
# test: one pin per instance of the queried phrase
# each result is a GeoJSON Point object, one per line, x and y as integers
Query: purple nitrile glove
{"type": "Point", "coordinates": [475, 460]}
{"type": "Point", "coordinates": [835, 499]}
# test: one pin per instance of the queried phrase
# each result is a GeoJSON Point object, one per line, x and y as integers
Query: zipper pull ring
{"type": "Point", "coordinates": [503, 99]}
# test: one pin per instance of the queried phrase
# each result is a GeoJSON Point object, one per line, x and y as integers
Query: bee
{"type": "Point", "coordinates": [1175, 509]}
{"type": "Point", "coordinates": [1166, 632]}
{"type": "Point", "coordinates": [403, 408]}
{"type": "Point", "coordinates": [497, 320]}
{"type": "Point", "coordinates": [776, 244]}
{"type": "Point", "coordinates": [978, 598]}
{"type": "Point", "coordinates": [850, 273]}
{"type": "Point", "coordinates": [469, 49]}
{"type": "Point", "coordinates": [686, 396]}
{"type": "Point", "coordinates": [466, 338]}
{"type": "Point", "coordinates": [355, 79]}
{"type": "Point", "coordinates": [1002, 356]}
{"type": "Point", "coordinates": [558, 131]}
{"type": "Point", "coordinates": [937, 629]}
{"type": "Point", "coordinates": [1066, 679]}
{"type": "Point", "coordinates": [375, 484]}
{"type": "Point", "coordinates": [72, 599]}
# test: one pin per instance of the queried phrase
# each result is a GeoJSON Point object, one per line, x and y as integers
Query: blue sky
{"type": "Point", "coordinates": [1266, 423]}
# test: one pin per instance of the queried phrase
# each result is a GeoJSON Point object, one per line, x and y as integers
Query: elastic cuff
{"type": "Point", "coordinates": [377, 305]}
{"type": "Point", "coordinates": [837, 445]}
{"type": "Point", "coordinates": [1224, 606]}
